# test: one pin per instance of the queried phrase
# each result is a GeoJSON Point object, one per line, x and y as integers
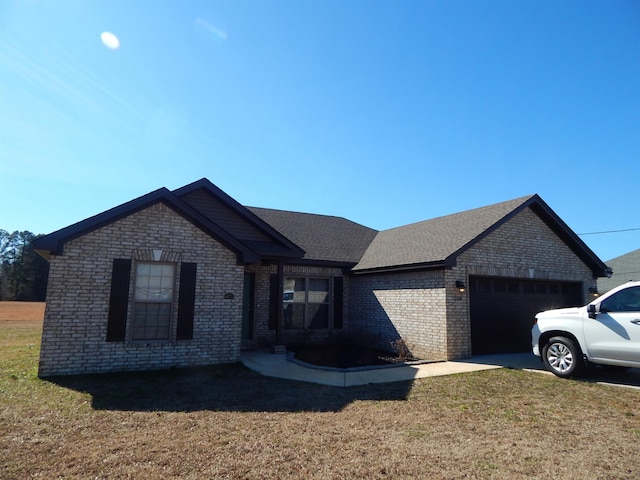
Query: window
{"type": "Point", "coordinates": [153, 298]}
{"type": "Point", "coordinates": [627, 300]}
{"type": "Point", "coordinates": [153, 301]}
{"type": "Point", "coordinates": [306, 303]}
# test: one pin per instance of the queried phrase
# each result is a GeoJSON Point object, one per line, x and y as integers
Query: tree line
{"type": "Point", "coordinates": [23, 273]}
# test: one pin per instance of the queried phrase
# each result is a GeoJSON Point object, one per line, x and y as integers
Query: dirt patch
{"type": "Point", "coordinates": [21, 311]}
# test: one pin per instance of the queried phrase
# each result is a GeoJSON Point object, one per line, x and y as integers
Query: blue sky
{"type": "Point", "coordinates": [383, 112]}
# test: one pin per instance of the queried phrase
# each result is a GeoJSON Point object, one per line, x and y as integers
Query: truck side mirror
{"type": "Point", "coordinates": [592, 310]}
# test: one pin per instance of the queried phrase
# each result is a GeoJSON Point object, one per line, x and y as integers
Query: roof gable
{"type": "Point", "coordinates": [438, 242]}
{"type": "Point", "coordinates": [239, 221]}
{"type": "Point", "coordinates": [53, 244]}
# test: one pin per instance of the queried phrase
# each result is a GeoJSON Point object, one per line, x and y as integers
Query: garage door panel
{"type": "Point", "coordinates": [502, 310]}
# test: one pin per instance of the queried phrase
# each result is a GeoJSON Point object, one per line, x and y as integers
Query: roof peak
{"type": "Point", "coordinates": [516, 202]}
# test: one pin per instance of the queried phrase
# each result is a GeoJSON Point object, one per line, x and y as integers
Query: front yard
{"type": "Point", "coordinates": [229, 422]}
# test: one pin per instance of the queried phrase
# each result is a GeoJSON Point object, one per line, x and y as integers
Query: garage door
{"type": "Point", "coordinates": [503, 310]}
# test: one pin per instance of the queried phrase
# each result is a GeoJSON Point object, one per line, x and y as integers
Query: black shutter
{"type": "Point", "coordinates": [338, 301]}
{"type": "Point", "coordinates": [186, 301]}
{"type": "Point", "coordinates": [118, 300]}
{"type": "Point", "coordinates": [273, 301]}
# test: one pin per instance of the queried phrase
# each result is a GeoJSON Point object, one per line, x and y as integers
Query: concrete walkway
{"type": "Point", "coordinates": [277, 365]}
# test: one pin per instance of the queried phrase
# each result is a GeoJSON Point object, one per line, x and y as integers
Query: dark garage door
{"type": "Point", "coordinates": [503, 310]}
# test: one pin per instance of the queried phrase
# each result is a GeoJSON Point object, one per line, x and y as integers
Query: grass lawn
{"type": "Point", "coordinates": [229, 422]}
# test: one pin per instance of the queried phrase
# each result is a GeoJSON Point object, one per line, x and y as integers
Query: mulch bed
{"type": "Point", "coordinates": [343, 356]}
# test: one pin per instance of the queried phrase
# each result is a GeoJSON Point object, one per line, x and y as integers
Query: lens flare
{"type": "Point", "coordinates": [110, 40]}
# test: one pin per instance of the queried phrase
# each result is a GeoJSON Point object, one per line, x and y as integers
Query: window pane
{"type": "Point", "coordinates": [318, 316]}
{"type": "Point", "coordinates": [166, 270]}
{"type": "Point", "coordinates": [154, 282]}
{"type": "Point", "coordinates": [318, 297]}
{"type": "Point", "coordinates": [155, 269]}
{"type": "Point", "coordinates": [294, 290]}
{"type": "Point", "coordinates": [318, 290]}
{"type": "Point", "coordinates": [292, 284]}
{"type": "Point", "coordinates": [151, 321]}
{"type": "Point", "coordinates": [142, 269]}
{"type": "Point", "coordinates": [293, 316]}
{"type": "Point", "coordinates": [319, 284]}
{"type": "Point", "coordinates": [165, 294]}
{"type": "Point", "coordinates": [624, 301]}
{"type": "Point", "coordinates": [299, 297]}
{"type": "Point", "coordinates": [306, 303]}
{"type": "Point", "coordinates": [166, 282]}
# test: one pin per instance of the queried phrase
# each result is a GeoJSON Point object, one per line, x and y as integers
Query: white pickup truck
{"type": "Point", "coordinates": [605, 332]}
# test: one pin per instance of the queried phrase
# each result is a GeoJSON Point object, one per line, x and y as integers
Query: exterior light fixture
{"type": "Point", "coordinates": [594, 292]}
{"type": "Point", "coordinates": [460, 285]}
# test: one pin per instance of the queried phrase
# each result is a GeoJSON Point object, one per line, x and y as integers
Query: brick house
{"type": "Point", "coordinates": [190, 277]}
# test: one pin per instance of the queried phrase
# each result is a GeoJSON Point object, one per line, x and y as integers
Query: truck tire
{"type": "Point", "coordinates": [562, 356]}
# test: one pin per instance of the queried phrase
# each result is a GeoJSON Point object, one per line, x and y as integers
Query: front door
{"type": "Point", "coordinates": [248, 306]}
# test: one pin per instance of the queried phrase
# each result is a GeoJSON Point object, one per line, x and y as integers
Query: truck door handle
{"type": "Point", "coordinates": [636, 321]}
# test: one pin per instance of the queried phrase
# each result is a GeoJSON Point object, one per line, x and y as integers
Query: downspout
{"type": "Point", "coordinates": [280, 312]}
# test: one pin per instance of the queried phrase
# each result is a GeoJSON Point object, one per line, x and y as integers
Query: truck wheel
{"type": "Point", "coordinates": [562, 357]}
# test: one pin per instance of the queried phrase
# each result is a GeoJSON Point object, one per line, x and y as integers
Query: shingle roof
{"type": "Point", "coordinates": [434, 242]}
{"type": "Point", "coordinates": [625, 267]}
{"type": "Point", "coordinates": [259, 234]}
{"type": "Point", "coordinates": [53, 243]}
{"type": "Point", "coordinates": [324, 238]}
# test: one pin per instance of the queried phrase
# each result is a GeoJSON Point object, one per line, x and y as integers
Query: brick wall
{"type": "Point", "coordinates": [427, 310]}
{"type": "Point", "coordinates": [409, 306]}
{"type": "Point", "coordinates": [74, 331]}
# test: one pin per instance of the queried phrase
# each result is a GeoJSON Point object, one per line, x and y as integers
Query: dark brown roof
{"type": "Point", "coordinates": [324, 238]}
{"type": "Point", "coordinates": [260, 234]}
{"type": "Point", "coordinates": [53, 243]}
{"type": "Point", "coordinates": [436, 243]}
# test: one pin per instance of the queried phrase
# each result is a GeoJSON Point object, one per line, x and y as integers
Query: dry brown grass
{"type": "Point", "coordinates": [21, 311]}
{"type": "Point", "coordinates": [228, 422]}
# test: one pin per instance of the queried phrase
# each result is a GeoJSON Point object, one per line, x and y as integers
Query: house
{"type": "Point", "coordinates": [625, 267]}
{"type": "Point", "coordinates": [191, 277]}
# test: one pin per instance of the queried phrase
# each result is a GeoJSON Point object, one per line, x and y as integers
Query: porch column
{"type": "Point", "coordinates": [279, 305]}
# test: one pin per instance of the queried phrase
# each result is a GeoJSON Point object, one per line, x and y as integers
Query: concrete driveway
{"type": "Point", "coordinates": [527, 361]}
